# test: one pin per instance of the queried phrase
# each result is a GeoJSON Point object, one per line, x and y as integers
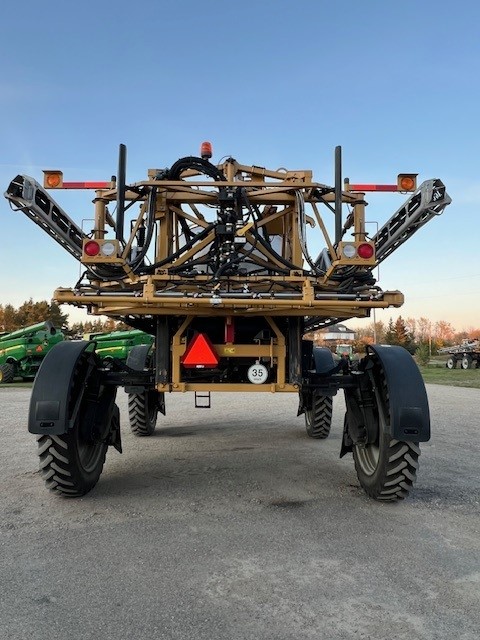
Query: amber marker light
{"type": "Point", "coordinates": [407, 181]}
{"type": "Point", "coordinates": [52, 179]}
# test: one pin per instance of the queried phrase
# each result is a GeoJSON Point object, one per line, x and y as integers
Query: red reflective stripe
{"type": "Point", "coordinates": [229, 330]}
{"type": "Point", "coordinates": [373, 187]}
{"type": "Point", "coordinates": [86, 185]}
{"type": "Point", "coordinates": [200, 353]}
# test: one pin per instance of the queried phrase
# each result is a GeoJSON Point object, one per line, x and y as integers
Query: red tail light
{"type": "Point", "coordinates": [91, 248]}
{"type": "Point", "coordinates": [365, 251]}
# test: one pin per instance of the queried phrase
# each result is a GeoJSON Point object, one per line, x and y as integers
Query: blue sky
{"type": "Point", "coordinates": [276, 84]}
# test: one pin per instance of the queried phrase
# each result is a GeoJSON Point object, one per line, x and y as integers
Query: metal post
{"type": "Point", "coordinates": [162, 350]}
{"type": "Point", "coordinates": [338, 194]}
{"type": "Point", "coordinates": [121, 178]}
{"type": "Point", "coordinates": [375, 222]}
{"type": "Point", "coordinates": [295, 350]}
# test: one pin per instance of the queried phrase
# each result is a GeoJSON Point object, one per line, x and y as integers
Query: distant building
{"type": "Point", "coordinates": [336, 334]}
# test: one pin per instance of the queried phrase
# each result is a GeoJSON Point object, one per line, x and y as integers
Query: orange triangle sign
{"type": "Point", "coordinates": [200, 353]}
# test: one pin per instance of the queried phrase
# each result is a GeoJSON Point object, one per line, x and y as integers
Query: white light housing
{"type": "Point", "coordinates": [349, 250]}
{"type": "Point", "coordinates": [108, 248]}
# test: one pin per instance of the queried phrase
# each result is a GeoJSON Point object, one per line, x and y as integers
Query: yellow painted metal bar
{"type": "Point", "coordinates": [229, 387]}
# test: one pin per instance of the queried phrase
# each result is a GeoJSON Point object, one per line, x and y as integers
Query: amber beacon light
{"type": "Point", "coordinates": [407, 181]}
{"type": "Point", "coordinates": [53, 179]}
{"type": "Point", "coordinates": [206, 150]}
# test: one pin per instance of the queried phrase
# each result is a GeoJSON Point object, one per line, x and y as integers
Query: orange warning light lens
{"type": "Point", "coordinates": [53, 179]}
{"type": "Point", "coordinates": [407, 181]}
{"type": "Point", "coordinates": [206, 150]}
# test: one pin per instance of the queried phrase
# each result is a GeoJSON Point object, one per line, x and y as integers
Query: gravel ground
{"type": "Point", "coordinates": [230, 523]}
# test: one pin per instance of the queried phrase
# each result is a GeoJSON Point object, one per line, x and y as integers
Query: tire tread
{"type": "Point", "coordinates": [319, 420]}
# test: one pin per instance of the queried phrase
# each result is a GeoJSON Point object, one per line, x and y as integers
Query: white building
{"type": "Point", "coordinates": [336, 334]}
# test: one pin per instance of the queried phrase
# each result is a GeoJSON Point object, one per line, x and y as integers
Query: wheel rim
{"type": "Point", "coordinates": [309, 417]}
{"type": "Point", "coordinates": [152, 409]}
{"type": "Point", "coordinates": [368, 458]}
{"type": "Point", "coordinates": [89, 454]}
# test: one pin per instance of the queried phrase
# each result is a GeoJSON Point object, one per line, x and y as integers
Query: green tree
{"type": "Point", "coordinates": [390, 334]}
{"type": "Point", "coordinates": [398, 333]}
{"type": "Point", "coordinates": [8, 318]}
{"type": "Point", "coordinates": [423, 354]}
{"type": "Point", "coordinates": [30, 313]}
{"type": "Point", "coordinates": [404, 337]}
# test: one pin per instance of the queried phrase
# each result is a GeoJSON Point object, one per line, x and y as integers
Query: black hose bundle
{"type": "Point", "coordinates": [197, 164]}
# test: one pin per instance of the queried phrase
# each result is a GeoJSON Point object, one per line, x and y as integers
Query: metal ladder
{"type": "Point", "coordinates": [202, 400]}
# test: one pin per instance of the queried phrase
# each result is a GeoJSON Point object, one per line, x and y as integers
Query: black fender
{"type": "Point", "coordinates": [323, 363]}
{"type": "Point", "coordinates": [409, 411]}
{"type": "Point", "coordinates": [138, 359]}
{"type": "Point", "coordinates": [323, 360]}
{"type": "Point", "coordinates": [51, 390]}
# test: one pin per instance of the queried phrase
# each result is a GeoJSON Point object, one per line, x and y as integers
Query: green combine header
{"type": "Point", "coordinates": [22, 351]}
{"type": "Point", "coordinates": [118, 344]}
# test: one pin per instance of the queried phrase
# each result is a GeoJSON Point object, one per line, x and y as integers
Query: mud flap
{"type": "Point", "coordinates": [48, 413]}
{"type": "Point", "coordinates": [319, 361]}
{"type": "Point", "coordinates": [407, 396]}
{"type": "Point", "coordinates": [138, 359]}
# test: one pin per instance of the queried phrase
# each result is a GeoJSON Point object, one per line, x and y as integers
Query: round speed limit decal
{"type": "Point", "coordinates": [258, 373]}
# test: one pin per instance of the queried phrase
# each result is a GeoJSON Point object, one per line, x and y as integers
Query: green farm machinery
{"type": "Point", "coordinates": [22, 351]}
{"type": "Point", "coordinates": [117, 345]}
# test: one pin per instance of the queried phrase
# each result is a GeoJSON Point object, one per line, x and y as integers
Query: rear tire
{"type": "Point", "coordinates": [386, 468]}
{"type": "Point", "coordinates": [452, 363]}
{"type": "Point", "coordinates": [71, 463]}
{"type": "Point", "coordinates": [70, 466]}
{"type": "Point", "coordinates": [143, 412]}
{"type": "Point", "coordinates": [318, 419]}
{"type": "Point", "coordinates": [467, 362]}
{"type": "Point", "coordinates": [7, 373]}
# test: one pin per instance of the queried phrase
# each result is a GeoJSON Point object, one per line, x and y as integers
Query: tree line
{"type": "Point", "coordinates": [410, 333]}
{"type": "Point", "coordinates": [29, 313]}
{"type": "Point", "coordinates": [421, 337]}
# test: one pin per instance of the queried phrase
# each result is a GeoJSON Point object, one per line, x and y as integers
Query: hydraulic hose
{"type": "Point", "coordinates": [150, 227]}
{"type": "Point", "coordinates": [198, 164]}
{"type": "Point", "coordinates": [199, 236]}
{"type": "Point", "coordinates": [302, 226]}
